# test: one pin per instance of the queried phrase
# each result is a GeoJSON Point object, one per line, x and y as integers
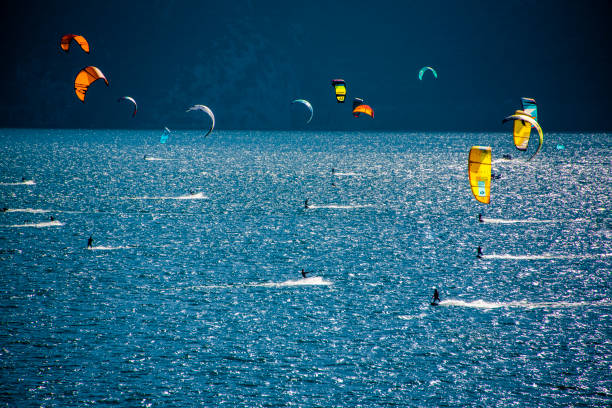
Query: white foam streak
{"type": "Point", "coordinates": [158, 159]}
{"type": "Point", "coordinates": [513, 161]}
{"type": "Point", "coordinates": [54, 223]}
{"type": "Point", "coordinates": [28, 210]}
{"type": "Point", "coordinates": [338, 206]}
{"type": "Point", "coordinates": [543, 256]}
{"type": "Point", "coordinates": [412, 317]}
{"type": "Point", "coordinates": [347, 174]}
{"type": "Point", "coordinates": [108, 248]}
{"type": "Point", "coordinates": [482, 304]}
{"type": "Point", "coordinates": [20, 183]}
{"type": "Point", "coordinates": [525, 257]}
{"type": "Point", "coordinates": [527, 221]}
{"type": "Point", "coordinates": [196, 196]}
{"type": "Point", "coordinates": [314, 281]}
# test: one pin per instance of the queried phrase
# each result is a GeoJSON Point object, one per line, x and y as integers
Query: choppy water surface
{"type": "Point", "coordinates": [192, 294]}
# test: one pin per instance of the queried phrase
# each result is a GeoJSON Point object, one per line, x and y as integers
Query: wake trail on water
{"type": "Point", "coordinates": [347, 174]}
{"type": "Point", "coordinates": [20, 183]}
{"type": "Point", "coordinates": [523, 304]}
{"type": "Point", "coordinates": [158, 159]}
{"type": "Point", "coordinates": [42, 211]}
{"type": "Point", "coordinates": [543, 256]}
{"type": "Point", "coordinates": [511, 161]}
{"type": "Point", "coordinates": [108, 248]}
{"type": "Point", "coordinates": [412, 317]}
{"type": "Point", "coordinates": [28, 210]}
{"type": "Point", "coordinates": [338, 206]}
{"type": "Point", "coordinates": [314, 281]}
{"type": "Point", "coordinates": [527, 221]}
{"type": "Point", "coordinates": [54, 223]}
{"type": "Point", "coordinates": [197, 196]}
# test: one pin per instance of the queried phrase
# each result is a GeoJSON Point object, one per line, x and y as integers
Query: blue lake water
{"type": "Point", "coordinates": [196, 298]}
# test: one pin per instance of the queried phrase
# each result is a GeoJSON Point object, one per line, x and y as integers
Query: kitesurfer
{"type": "Point", "coordinates": [304, 273]}
{"type": "Point", "coordinates": [435, 297]}
{"type": "Point", "coordinates": [479, 254]}
{"type": "Point", "coordinates": [480, 218]}
{"type": "Point", "coordinates": [89, 242]}
{"type": "Point", "coordinates": [23, 179]}
{"type": "Point", "coordinates": [306, 204]}
{"type": "Point", "coordinates": [333, 171]}
{"type": "Point", "coordinates": [51, 218]}
{"type": "Point", "coordinates": [191, 192]}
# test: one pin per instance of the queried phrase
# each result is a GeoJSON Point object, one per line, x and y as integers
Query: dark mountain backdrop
{"type": "Point", "coordinates": [247, 60]}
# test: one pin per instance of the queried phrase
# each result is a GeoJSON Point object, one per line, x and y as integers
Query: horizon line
{"type": "Point", "coordinates": [294, 130]}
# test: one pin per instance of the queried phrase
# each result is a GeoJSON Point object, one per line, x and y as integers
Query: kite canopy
{"type": "Point", "coordinates": [530, 107]}
{"type": "Point", "coordinates": [363, 109]}
{"type": "Point", "coordinates": [164, 137]}
{"type": "Point", "coordinates": [308, 106]}
{"type": "Point", "coordinates": [86, 77]}
{"type": "Point", "coordinates": [522, 129]}
{"type": "Point", "coordinates": [340, 88]}
{"type": "Point", "coordinates": [479, 169]}
{"type": "Point", "coordinates": [130, 99]}
{"type": "Point", "coordinates": [206, 109]}
{"type": "Point", "coordinates": [422, 71]}
{"type": "Point", "coordinates": [66, 39]}
{"type": "Point", "coordinates": [356, 103]}
{"type": "Point", "coordinates": [521, 132]}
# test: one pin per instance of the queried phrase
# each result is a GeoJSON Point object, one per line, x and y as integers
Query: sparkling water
{"type": "Point", "coordinates": [191, 294]}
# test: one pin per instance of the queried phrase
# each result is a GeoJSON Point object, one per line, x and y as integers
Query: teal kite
{"type": "Point", "coordinates": [422, 71]}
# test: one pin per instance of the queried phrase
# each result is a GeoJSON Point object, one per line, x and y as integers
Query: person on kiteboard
{"type": "Point", "coordinates": [435, 297]}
